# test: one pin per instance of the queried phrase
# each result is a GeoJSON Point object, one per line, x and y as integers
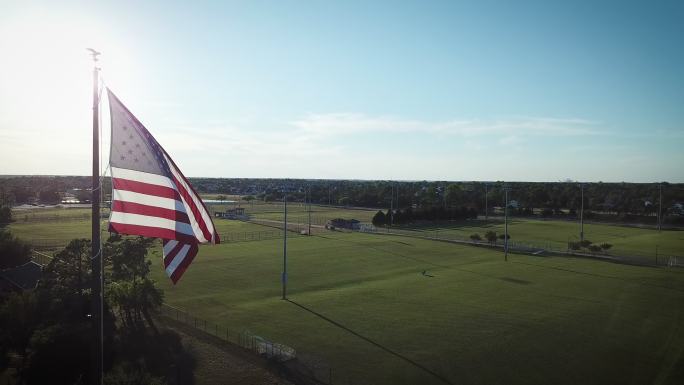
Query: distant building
{"type": "Point", "coordinates": [21, 278]}
{"type": "Point", "coordinates": [69, 198]}
{"type": "Point", "coordinates": [341, 223]}
{"type": "Point", "coordinates": [235, 213]}
{"type": "Point", "coordinates": [677, 208]}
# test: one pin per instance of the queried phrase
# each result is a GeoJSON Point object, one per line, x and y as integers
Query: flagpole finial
{"type": "Point", "coordinates": [94, 53]}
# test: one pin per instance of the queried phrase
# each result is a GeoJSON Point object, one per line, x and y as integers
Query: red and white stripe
{"type": "Point", "coordinates": [157, 206]}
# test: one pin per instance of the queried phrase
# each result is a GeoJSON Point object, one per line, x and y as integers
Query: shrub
{"type": "Point", "coordinates": [475, 237]}
{"type": "Point", "coordinates": [585, 243]}
{"type": "Point", "coordinates": [606, 246]}
{"type": "Point", "coordinates": [379, 219]}
{"type": "Point", "coordinates": [594, 248]}
{"type": "Point", "coordinates": [490, 236]}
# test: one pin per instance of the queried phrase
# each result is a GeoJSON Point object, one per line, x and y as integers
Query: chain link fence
{"type": "Point", "coordinates": [304, 369]}
{"type": "Point", "coordinates": [247, 236]}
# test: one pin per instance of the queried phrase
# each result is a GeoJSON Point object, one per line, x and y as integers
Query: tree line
{"type": "Point", "coordinates": [620, 201]}
{"type": "Point", "coordinates": [46, 333]}
{"type": "Point", "coordinates": [431, 214]}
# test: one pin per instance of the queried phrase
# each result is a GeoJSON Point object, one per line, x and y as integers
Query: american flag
{"type": "Point", "coordinates": [151, 197]}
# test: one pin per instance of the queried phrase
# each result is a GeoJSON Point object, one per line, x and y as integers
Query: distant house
{"type": "Point", "coordinates": [69, 198]}
{"type": "Point", "coordinates": [235, 213]}
{"type": "Point", "coordinates": [341, 223]}
{"type": "Point", "coordinates": [677, 208]}
{"type": "Point", "coordinates": [20, 278]}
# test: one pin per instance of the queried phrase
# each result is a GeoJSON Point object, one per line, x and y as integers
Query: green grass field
{"type": "Point", "coordinates": [625, 240]}
{"type": "Point", "coordinates": [360, 303]}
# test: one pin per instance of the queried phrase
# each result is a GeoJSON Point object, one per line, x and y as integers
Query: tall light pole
{"type": "Point", "coordinates": [486, 208]}
{"type": "Point", "coordinates": [309, 207]}
{"type": "Point", "coordinates": [506, 190]}
{"type": "Point", "coordinates": [581, 185]}
{"type": "Point", "coordinates": [392, 207]}
{"type": "Point", "coordinates": [397, 197]}
{"type": "Point", "coordinates": [660, 206]}
{"type": "Point", "coordinates": [284, 275]}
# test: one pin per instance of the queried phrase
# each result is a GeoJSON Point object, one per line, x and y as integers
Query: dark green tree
{"type": "Point", "coordinates": [490, 236]}
{"type": "Point", "coordinates": [13, 251]}
{"type": "Point", "coordinates": [379, 219]}
{"type": "Point", "coordinates": [5, 215]}
{"type": "Point", "coordinates": [50, 196]}
{"type": "Point", "coordinates": [131, 292]}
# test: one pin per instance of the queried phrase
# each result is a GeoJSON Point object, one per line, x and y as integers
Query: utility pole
{"type": "Point", "coordinates": [581, 212]}
{"type": "Point", "coordinates": [284, 275]}
{"type": "Point", "coordinates": [506, 190]}
{"type": "Point", "coordinates": [96, 251]}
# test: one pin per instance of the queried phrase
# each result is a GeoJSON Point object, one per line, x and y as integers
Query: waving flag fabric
{"type": "Point", "coordinates": [151, 197]}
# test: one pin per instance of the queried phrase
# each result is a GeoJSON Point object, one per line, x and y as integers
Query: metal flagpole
{"type": "Point", "coordinates": [284, 276]}
{"type": "Point", "coordinates": [96, 252]}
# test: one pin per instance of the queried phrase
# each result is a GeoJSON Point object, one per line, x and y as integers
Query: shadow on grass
{"type": "Point", "coordinates": [515, 280]}
{"type": "Point", "coordinates": [632, 281]}
{"type": "Point", "coordinates": [386, 349]}
{"type": "Point", "coordinates": [447, 225]}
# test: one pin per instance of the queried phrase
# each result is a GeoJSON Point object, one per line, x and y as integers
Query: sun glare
{"type": "Point", "coordinates": [46, 74]}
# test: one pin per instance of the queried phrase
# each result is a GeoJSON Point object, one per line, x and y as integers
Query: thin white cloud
{"type": "Point", "coordinates": [351, 123]}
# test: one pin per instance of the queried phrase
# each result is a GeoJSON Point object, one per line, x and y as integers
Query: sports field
{"type": "Point", "coordinates": [382, 309]}
{"type": "Point", "coordinates": [632, 241]}
{"type": "Point", "coordinates": [395, 310]}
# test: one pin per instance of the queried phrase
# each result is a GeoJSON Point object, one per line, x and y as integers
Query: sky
{"type": "Point", "coordinates": [403, 90]}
